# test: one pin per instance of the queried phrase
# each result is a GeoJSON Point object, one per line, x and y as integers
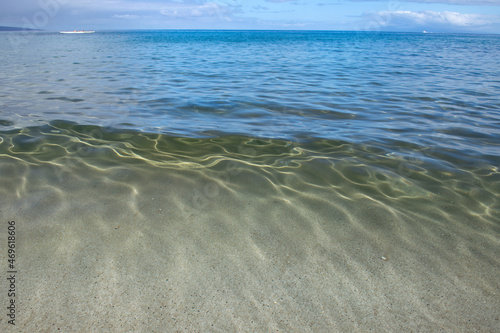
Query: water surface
{"type": "Point", "coordinates": [351, 178]}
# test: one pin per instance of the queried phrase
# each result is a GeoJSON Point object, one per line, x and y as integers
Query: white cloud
{"type": "Point", "coordinates": [174, 9]}
{"type": "Point", "coordinates": [126, 16]}
{"type": "Point", "coordinates": [403, 20]}
{"type": "Point", "coordinates": [185, 10]}
{"type": "Point", "coordinates": [409, 20]}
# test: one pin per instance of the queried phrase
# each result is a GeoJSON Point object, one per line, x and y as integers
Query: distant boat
{"type": "Point", "coordinates": [425, 32]}
{"type": "Point", "coordinates": [77, 32]}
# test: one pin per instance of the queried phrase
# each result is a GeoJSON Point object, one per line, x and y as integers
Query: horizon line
{"type": "Point", "coordinates": [21, 29]}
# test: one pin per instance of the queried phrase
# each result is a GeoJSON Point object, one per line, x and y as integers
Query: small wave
{"type": "Point", "coordinates": [66, 99]}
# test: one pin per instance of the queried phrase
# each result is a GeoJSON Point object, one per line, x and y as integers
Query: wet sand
{"type": "Point", "coordinates": [237, 247]}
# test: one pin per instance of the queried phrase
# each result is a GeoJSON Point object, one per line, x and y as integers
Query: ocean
{"type": "Point", "coordinates": [253, 180]}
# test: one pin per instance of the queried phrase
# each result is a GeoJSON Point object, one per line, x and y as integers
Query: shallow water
{"type": "Point", "coordinates": [358, 87]}
{"type": "Point", "coordinates": [254, 180]}
{"type": "Point", "coordinates": [410, 104]}
{"type": "Point", "coordinates": [245, 234]}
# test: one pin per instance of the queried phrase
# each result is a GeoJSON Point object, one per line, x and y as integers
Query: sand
{"type": "Point", "coordinates": [110, 247]}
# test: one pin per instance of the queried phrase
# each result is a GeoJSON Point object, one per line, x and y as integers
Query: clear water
{"type": "Point", "coordinates": [317, 152]}
{"type": "Point", "coordinates": [372, 88]}
{"type": "Point", "coordinates": [406, 105]}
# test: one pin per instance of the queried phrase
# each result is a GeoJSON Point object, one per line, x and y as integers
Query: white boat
{"type": "Point", "coordinates": [77, 32]}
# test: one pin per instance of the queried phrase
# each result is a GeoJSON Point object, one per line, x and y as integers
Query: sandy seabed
{"type": "Point", "coordinates": [145, 249]}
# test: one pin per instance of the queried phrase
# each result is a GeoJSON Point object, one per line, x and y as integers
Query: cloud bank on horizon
{"type": "Point", "coordinates": [477, 16]}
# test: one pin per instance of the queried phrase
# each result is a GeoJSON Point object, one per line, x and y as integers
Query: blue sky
{"type": "Point", "coordinates": [482, 16]}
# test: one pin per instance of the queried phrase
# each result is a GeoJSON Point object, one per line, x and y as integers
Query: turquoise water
{"type": "Point", "coordinates": [380, 89]}
{"type": "Point", "coordinates": [253, 180]}
{"type": "Point", "coordinates": [410, 105]}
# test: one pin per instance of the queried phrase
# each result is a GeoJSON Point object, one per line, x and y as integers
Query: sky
{"type": "Point", "coordinates": [471, 16]}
